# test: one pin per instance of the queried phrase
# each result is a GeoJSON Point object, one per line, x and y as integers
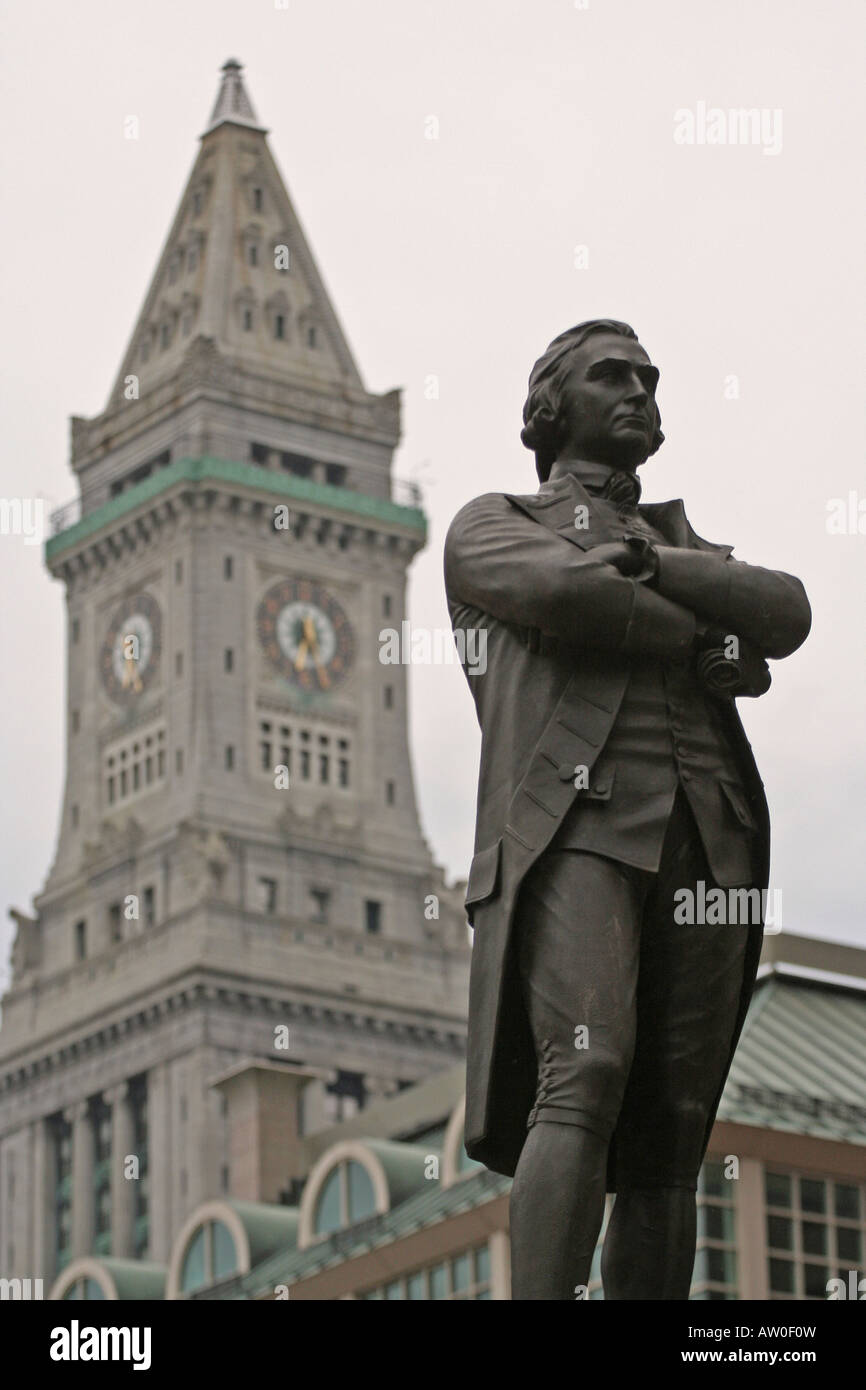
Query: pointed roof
{"type": "Point", "coordinates": [237, 269]}
{"type": "Point", "coordinates": [232, 102]}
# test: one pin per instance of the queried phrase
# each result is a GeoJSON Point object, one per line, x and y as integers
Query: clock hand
{"type": "Point", "coordinates": [301, 655]}
{"type": "Point", "coordinates": [312, 636]}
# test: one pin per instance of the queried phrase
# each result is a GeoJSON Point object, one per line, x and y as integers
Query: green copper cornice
{"type": "Point", "coordinates": [208, 469]}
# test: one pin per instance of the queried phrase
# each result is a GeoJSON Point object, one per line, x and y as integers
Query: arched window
{"type": "Point", "coordinates": [346, 1197]}
{"type": "Point", "coordinates": [89, 1289]}
{"type": "Point", "coordinates": [210, 1257]}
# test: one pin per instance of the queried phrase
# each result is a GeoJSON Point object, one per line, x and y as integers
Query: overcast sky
{"type": "Point", "coordinates": [456, 257]}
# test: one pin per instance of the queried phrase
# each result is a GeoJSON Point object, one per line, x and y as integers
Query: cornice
{"type": "Point", "coordinates": [130, 519]}
{"type": "Point", "coordinates": [102, 1039]}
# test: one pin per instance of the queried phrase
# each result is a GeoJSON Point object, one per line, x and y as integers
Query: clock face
{"type": "Point", "coordinates": [130, 652]}
{"type": "Point", "coordinates": [305, 634]}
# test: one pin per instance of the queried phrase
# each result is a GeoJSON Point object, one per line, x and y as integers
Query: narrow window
{"type": "Point", "coordinates": [230, 757]}
{"type": "Point", "coordinates": [248, 320]}
{"type": "Point", "coordinates": [372, 917]}
{"type": "Point", "coordinates": [311, 336]}
{"type": "Point", "coordinates": [253, 255]}
{"type": "Point", "coordinates": [149, 907]}
{"type": "Point", "coordinates": [76, 630]}
{"type": "Point", "coordinates": [228, 567]}
{"type": "Point", "coordinates": [321, 900]}
{"type": "Point", "coordinates": [386, 605]}
{"type": "Point", "coordinates": [389, 696]}
{"type": "Point", "coordinates": [268, 894]}
{"type": "Point", "coordinates": [76, 721]}
{"type": "Point", "coordinates": [178, 663]}
{"type": "Point", "coordinates": [229, 659]}
{"type": "Point", "coordinates": [115, 923]}
{"type": "Point", "coordinates": [280, 326]}
{"type": "Point", "coordinates": [389, 793]}
{"type": "Point", "coordinates": [257, 199]}
{"type": "Point", "coordinates": [178, 761]}
{"type": "Point", "coordinates": [80, 940]}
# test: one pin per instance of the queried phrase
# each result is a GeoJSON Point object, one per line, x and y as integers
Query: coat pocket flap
{"type": "Point", "coordinates": [483, 875]}
{"type": "Point", "coordinates": [739, 805]}
{"type": "Point", "coordinates": [600, 785]}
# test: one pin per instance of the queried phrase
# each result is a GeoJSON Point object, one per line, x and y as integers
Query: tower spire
{"type": "Point", "coordinates": [232, 102]}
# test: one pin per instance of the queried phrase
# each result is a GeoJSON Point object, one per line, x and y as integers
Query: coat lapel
{"type": "Point", "coordinates": [670, 518]}
{"type": "Point", "coordinates": [566, 507]}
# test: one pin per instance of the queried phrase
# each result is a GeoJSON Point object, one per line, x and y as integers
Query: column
{"type": "Point", "coordinates": [751, 1231]}
{"type": "Point", "coordinates": [78, 1115]}
{"type": "Point", "coordinates": [500, 1266]}
{"type": "Point", "coordinates": [42, 1201]}
{"type": "Point", "coordinates": [160, 1161]}
{"type": "Point", "coordinates": [122, 1187]}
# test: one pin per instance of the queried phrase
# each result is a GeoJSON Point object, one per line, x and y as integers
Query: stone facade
{"type": "Point", "coordinates": [200, 915]}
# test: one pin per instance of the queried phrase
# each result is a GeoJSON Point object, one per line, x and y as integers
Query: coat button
{"type": "Point", "coordinates": [567, 772]}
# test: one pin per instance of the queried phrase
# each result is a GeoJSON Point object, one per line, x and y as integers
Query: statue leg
{"type": "Point", "coordinates": [649, 1244]}
{"type": "Point", "coordinates": [556, 1210]}
{"type": "Point", "coordinates": [577, 932]}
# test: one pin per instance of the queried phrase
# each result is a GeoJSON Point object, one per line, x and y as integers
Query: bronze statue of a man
{"type": "Point", "coordinates": [616, 787]}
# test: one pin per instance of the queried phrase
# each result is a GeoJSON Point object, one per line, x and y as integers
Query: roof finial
{"type": "Point", "coordinates": [232, 103]}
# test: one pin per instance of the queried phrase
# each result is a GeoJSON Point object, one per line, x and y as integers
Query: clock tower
{"type": "Point", "coordinates": [241, 888]}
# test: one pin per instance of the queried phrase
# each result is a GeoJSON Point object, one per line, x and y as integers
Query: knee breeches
{"type": "Point", "coordinates": [632, 1014]}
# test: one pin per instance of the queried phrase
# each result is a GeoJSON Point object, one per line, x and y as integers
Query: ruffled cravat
{"type": "Point", "coordinates": [623, 491]}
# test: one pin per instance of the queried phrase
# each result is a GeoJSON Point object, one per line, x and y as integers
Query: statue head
{"type": "Point", "coordinates": [592, 396]}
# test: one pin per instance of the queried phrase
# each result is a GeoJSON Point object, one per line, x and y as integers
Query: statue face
{"type": "Point", "coordinates": [607, 403]}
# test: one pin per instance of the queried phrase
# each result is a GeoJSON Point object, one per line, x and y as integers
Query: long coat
{"type": "Point", "coordinates": [563, 630]}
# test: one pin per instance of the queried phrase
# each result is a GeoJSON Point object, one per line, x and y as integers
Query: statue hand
{"type": "Point", "coordinates": [628, 559]}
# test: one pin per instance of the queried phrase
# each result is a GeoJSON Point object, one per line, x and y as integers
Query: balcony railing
{"type": "Point", "coordinates": [404, 491]}
{"type": "Point", "coordinates": [64, 517]}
